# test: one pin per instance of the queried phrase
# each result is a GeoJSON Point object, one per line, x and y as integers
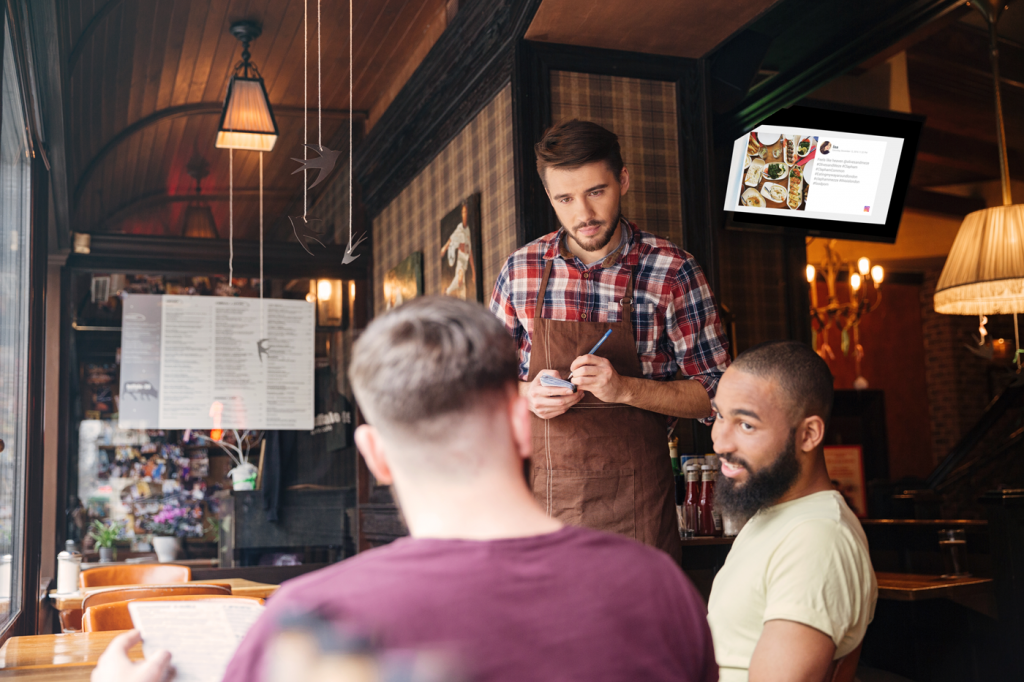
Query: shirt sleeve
{"type": "Point", "coordinates": [694, 329]}
{"type": "Point", "coordinates": [817, 577]}
{"type": "Point", "coordinates": [501, 305]}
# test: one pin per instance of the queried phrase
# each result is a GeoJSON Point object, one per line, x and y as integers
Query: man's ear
{"type": "Point", "coordinates": [623, 181]}
{"type": "Point", "coordinates": [812, 432]}
{"type": "Point", "coordinates": [371, 447]}
{"type": "Point", "coordinates": [519, 420]}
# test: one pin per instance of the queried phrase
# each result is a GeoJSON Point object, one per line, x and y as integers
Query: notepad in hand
{"type": "Point", "coordinates": [555, 382]}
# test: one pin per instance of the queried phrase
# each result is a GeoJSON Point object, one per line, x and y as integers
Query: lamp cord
{"type": "Point", "coordinates": [305, 99]}
{"type": "Point", "coordinates": [319, 113]}
{"type": "Point", "coordinates": [349, 122]}
{"type": "Point", "coordinates": [231, 218]}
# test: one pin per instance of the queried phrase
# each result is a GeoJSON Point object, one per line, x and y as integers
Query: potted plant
{"type": "Point", "coordinates": [243, 475]}
{"type": "Point", "coordinates": [105, 535]}
{"type": "Point", "coordinates": [175, 520]}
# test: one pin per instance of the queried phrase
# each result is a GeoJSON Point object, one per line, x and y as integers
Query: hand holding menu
{"type": "Point", "coordinates": [201, 635]}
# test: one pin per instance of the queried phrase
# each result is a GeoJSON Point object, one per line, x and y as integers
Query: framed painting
{"type": "Point", "coordinates": [404, 282]}
{"type": "Point", "coordinates": [461, 252]}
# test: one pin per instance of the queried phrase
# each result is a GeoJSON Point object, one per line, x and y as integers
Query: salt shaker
{"type": "Point", "coordinates": [69, 565]}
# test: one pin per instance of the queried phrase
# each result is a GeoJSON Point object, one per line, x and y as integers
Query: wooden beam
{"type": "Point", "coordinates": [193, 109]}
{"type": "Point", "coordinates": [158, 199]}
{"type": "Point", "coordinates": [845, 35]}
{"type": "Point", "coordinates": [963, 152]}
{"type": "Point", "coordinates": [86, 35]}
{"type": "Point", "coordinates": [464, 70]}
{"type": "Point", "coordinates": [937, 202]}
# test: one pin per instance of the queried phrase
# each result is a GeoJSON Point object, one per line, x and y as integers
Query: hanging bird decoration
{"type": "Point", "coordinates": [352, 246]}
{"type": "Point", "coordinates": [324, 164]}
{"type": "Point", "coordinates": [302, 227]}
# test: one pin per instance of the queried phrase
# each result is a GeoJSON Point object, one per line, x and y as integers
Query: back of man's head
{"type": "Point", "coordinates": [427, 373]}
{"type": "Point", "coordinates": [801, 375]}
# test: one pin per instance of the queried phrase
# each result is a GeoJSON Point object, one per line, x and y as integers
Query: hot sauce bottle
{"type": "Point", "coordinates": [708, 523]}
{"type": "Point", "coordinates": [690, 502]}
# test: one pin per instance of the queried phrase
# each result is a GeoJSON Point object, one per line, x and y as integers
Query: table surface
{"type": "Point", "coordinates": [65, 651]}
{"type": "Point", "coordinates": [239, 587]}
{"type": "Point", "coordinates": [915, 587]}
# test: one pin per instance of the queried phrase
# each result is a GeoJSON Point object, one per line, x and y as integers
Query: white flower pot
{"type": "Point", "coordinates": [243, 477]}
{"type": "Point", "coordinates": [106, 555]}
{"type": "Point", "coordinates": [166, 548]}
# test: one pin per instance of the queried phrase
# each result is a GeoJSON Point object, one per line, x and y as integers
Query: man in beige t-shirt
{"type": "Point", "coordinates": [797, 590]}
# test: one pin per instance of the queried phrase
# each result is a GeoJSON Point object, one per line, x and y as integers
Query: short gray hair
{"type": "Point", "coordinates": [430, 359]}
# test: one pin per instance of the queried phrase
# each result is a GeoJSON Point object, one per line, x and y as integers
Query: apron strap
{"type": "Point", "coordinates": [627, 300]}
{"type": "Point", "coordinates": [539, 305]}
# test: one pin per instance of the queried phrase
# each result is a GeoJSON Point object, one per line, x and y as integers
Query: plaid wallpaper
{"type": "Point", "coordinates": [643, 114]}
{"type": "Point", "coordinates": [479, 159]}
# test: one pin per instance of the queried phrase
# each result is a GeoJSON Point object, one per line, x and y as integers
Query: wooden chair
{"type": "Point", "coordinates": [115, 615]}
{"type": "Point", "coordinates": [125, 594]}
{"type": "Point", "coordinates": [71, 619]}
{"type": "Point", "coordinates": [844, 669]}
{"type": "Point", "coordinates": [134, 574]}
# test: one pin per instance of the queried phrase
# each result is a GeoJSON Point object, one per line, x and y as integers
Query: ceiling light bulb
{"type": "Point", "coordinates": [810, 273]}
{"type": "Point", "coordinates": [877, 274]}
{"type": "Point", "coordinates": [855, 281]}
{"type": "Point", "coordinates": [310, 298]}
{"type": "Point", "coordinates": [864, 266]}
{"type": "Point", "coordinates": [324, 289]}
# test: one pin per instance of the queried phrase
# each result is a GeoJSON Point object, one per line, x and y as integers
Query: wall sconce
{"type": "Point", "coordinates": [330, 304]}
{"type": "Point", "coordinates": [845, 315]}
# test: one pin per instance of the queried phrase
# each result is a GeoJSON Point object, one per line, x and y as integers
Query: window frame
{"type": "Point", "coordinates": [25, 610]}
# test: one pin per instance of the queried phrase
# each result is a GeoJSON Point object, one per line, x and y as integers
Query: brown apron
{"type": "Point", "coordinates": [601, 465]}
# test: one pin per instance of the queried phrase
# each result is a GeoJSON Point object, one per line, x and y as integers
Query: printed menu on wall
{"type": "Point", "coordinates": [213, 362]}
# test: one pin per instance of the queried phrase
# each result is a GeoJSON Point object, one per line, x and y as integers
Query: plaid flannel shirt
{"type": "Point", "coordinates": [674, 316]}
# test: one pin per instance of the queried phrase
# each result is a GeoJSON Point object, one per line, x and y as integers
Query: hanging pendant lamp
{"type": "Point", "coordinates": [198, 222]}
{"type": "Point", "coordinates": [247, 121]}
{"type": "Point", "coordinates": [984, 272]}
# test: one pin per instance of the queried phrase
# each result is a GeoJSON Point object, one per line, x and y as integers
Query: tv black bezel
{"type": "Point", "coordinates": [842, 118]}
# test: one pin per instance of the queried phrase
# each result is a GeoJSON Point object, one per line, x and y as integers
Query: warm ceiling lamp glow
{"type": "Point", "coordinates": [877, 274]}
{"type": "Point", "coordinates": [855, 281]}
{"type": "Point", "coordinates": [984, 272]}
{"type": "Point", "coordinates": [324, 289]}
{"type": "Point", "coordinates": [810, 273]}
{"type": "Point", "coordinates": [247, 121]}
{"type": "Point", "coordinates": [310, 297]}
{"type": "Point", "coordinates": [863, 266]}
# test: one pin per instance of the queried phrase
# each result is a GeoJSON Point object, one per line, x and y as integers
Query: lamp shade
{"type": "Point", "coordinates": [247, 121]}
{"type": "Point", "coordinates": [199, 223]}
{"type": "Point", "coordinates": [984, 272]}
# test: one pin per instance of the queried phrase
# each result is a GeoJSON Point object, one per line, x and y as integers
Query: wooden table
{"type": "Point", "coordinates": [239, 587]}
{"type": "Point", "coordinates": [48, 651]}
{"type": "Point", "coordinates": [974, 593]}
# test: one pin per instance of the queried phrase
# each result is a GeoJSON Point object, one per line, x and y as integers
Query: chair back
{"type": "Point", "coordinates": [134, 574]}
{"type": "Point", "coordinates": [115, 616]}
{"type": "Point", "coordinates": [146, 591]}
{"type": "Point", "coordinates": [844, 669]}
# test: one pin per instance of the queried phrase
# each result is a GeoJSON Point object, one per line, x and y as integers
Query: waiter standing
{"type": "Point", "coordinates": [600, 454]}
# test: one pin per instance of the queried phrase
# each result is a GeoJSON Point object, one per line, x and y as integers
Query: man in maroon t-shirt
{"type": "Point", "coordinates": [486, 576]}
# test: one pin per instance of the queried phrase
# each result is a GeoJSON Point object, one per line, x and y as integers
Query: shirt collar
{"type": "Point", "coordinates": [558, 247]}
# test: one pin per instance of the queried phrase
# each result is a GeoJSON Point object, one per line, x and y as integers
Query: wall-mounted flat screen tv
{"type": "Point", "coordinates": [824, 170]}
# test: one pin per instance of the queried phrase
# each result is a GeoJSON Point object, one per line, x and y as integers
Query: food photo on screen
{"type": "Point", "coordinates": [775, 170]}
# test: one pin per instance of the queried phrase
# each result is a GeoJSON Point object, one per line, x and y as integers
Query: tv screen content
{"type": "Point", "coordinates": [824, 172]}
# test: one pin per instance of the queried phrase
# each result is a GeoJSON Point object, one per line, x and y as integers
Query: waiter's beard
{"type": "Point", "coordinates": [599, 240]}
{"type": "Point", "coordinates": [761, 489]}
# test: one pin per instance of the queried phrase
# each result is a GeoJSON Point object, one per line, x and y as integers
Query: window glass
{"type": "Point", "coordinates": [15, 163]}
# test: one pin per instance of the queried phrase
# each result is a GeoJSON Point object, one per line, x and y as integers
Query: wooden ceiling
{"type": "Point", "coordinates": [668, 27]}
{"type": "Point", "coordinates": [145, 81]}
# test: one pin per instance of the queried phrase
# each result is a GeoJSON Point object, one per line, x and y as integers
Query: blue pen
{"type": "Point", "coordinates": [596, 346]}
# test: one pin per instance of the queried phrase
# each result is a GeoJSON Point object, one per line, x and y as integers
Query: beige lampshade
{"type": "Point", "coordinates": [247, 121]}
{"type": "Point", "coordinates": [984, 272]}
{"type": "Point", "coordinates": [199, 223]}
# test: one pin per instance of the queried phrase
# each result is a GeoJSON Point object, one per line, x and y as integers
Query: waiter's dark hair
{"type": "Point", "coordinates": [429, 359]}
{"type": "Point", "coordinates": [576, 143]}
{"type": "Point", "coordinates": [800, 372]}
